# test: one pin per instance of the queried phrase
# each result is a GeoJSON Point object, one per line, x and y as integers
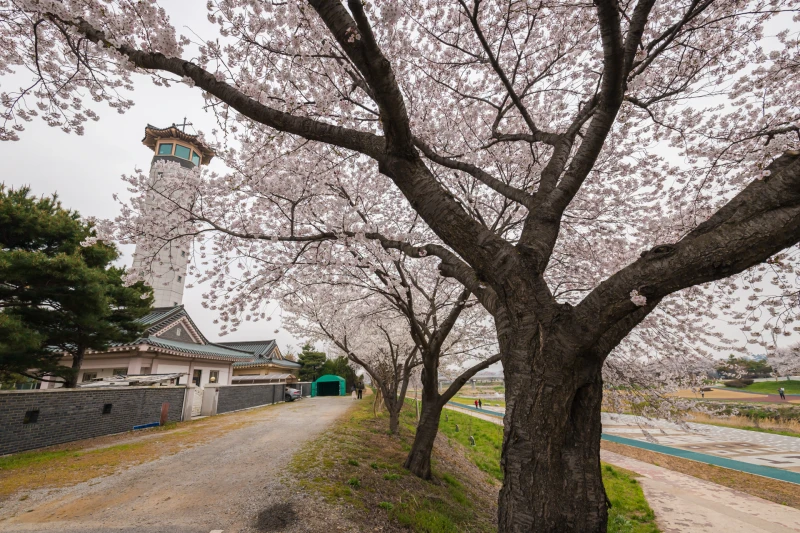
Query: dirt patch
{"type": "Point", "coordinates": [276, 517]}
{"type": "Point", "coordinates": [77, 462]}
{"type": "Point", "coordinates": [768, 489]}
{"type": "Point", "coordinates": [229, 476]}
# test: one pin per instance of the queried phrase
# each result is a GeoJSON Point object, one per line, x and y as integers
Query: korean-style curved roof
{"type": "Point", "coordinates": [152, 134]}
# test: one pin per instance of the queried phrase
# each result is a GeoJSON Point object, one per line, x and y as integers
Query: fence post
{"type": "Point", "coordinates": [188, 401]}
{"type": "Point", "coordinates": [210, 399]}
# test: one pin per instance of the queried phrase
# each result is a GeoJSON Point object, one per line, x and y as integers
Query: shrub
{"type": "Point", "coordinates": [738, 383]}
{"type": "Point", "coordinates": [352, 462]}
{"type": "Point", "coordinates": [354, 482]}
{"type": "Point", "coordinates": [386, 505]}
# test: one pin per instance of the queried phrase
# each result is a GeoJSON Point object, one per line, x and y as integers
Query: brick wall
{"type": "Point", "coordinates": [304, 387]}
{"type": "Point", "coordinates": [235, 397]}
{"type": "Point", "coordinates": [74, 414]}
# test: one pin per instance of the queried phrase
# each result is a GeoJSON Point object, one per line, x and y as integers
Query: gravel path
{"type": "Point", "coordinates": [235, 483]}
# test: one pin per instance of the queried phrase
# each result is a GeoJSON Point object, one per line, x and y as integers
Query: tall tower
{"type": "Point", "coordinates": [171, 144]}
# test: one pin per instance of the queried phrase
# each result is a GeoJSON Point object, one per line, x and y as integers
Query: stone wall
{"type": "Point", "coordinates": [235, 397]}
{"type": "Point", "coordinates": [304, 387]}
{"type": "Point", "coordinates": [38, 418]}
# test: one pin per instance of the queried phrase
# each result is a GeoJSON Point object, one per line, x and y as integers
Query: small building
{"type": "Point", "coordinates": [172, 343]}
{"type": "Point", "coordinates": [267, 364]}
{"type": "Point", "coordinates": [329, 385]}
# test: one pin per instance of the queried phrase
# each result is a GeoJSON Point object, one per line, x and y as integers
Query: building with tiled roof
{"type": "Point", "coordinates": [172, 343]}
{"type": "Point", "coordinates": [267, 365]}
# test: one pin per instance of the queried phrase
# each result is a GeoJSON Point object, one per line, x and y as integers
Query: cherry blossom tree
{"type": "Point", "coordinates": [583, 170]}
{"type": "Point", "coordinates": [366, 332]}
{"type": "Point", "coordinates": [444, 323]}
{"type": "Point", "coordinates": [785, 361]}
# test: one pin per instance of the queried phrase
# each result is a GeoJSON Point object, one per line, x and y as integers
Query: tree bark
{"type": "Point", "coordinates": [77, 362]}
{"type": "Point", "coordinates": [394, 421]}
{"type": "Point", "coordinates": [551, 445]}
{"type": "Point", "coordinates": [419, 458]}
{"type": "Point", "coordinates": [418, 461]}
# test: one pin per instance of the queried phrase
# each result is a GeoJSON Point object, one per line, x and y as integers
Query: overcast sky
{"type": "Point", "coordinates": [85, 171]}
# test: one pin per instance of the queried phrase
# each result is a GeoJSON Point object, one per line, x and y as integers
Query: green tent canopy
{"type": "Point", "coordinates": [328, 385]}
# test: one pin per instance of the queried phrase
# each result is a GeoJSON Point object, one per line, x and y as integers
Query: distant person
{"type": "Point", "coordinates": [782, 393]}
{"type": "Point", "coordinates": [480, 404]}
{"type": "Point", "coordinates": [360, 392]}
{"type": "Point", "coordinates": [476, 404]}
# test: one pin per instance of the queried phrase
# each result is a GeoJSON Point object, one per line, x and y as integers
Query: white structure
{"type": "Point", "coordinates": [172, 343]}
{"type": "Point", "coordinates": [171, 264]}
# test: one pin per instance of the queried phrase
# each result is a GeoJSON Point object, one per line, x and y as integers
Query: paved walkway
{"type": "Point", "coordinates": [752, 447]}
{"type": "Point", "coordinates": [686, 504]}
{"type": "Point", "coordinates": [683, 503]}
{"type": "Point", "coordinates": [763, 449]}
{"type": "Point", "coordinates": [234, 483]}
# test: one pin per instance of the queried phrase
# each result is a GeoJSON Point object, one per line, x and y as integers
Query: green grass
{"type": "Point", "coordinates": [488, 440]}
{"type": "Point", "coordinates": [25, 459]}
{"type": "Point", "coordinates": [771, 387]}
{"type": "Point", "coordinates": [629, 513]}
{"type": "Point", "coordinates": [359, 465]}
{"type": "Point", "coordinates": [470, 402]}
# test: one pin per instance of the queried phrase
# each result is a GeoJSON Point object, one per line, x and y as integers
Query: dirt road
{"type": "Point", "coordinates": [234, 483]}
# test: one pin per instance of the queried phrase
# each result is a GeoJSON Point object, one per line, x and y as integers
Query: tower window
{"type": "Point", "coordinates": [165, 149]}
{"type": "Point", "coordinates": [182, 152]}
{"type": "Point", "coordinates": [195, 158]}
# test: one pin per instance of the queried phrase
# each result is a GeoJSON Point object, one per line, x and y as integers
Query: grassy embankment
{"type": "Point", "coordinates": [487, 402]}
{"type": "Point", "coordinates": [771, 387]}
{"type": "Point", "coordinates": [629, 513]}
{"type": "Point", "coordinates": [359, 465]}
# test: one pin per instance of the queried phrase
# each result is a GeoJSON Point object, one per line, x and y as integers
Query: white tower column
{"type": "Point", "coordinates": [170, 267]}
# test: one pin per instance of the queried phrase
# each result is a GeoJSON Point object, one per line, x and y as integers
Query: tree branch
{"type": "Point", "coordinates": [465, 376]}
{"type": "Point", "coordinates": [363, 142]}
{"type": "Point", "coordinates": [759, 222]}
{"type": "Point", "coordinates": [510, 192]}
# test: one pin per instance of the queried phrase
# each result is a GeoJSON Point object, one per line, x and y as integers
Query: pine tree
{"type": "Point", "coordinates": [58, 297]}
{"type": "Point", "coordinates": [311, 362]}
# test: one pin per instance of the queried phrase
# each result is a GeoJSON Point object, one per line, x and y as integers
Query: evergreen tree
{"type": "Point", "coordinates": [311, 362]}
{"type": "Point", "coordinates": [340, 366]}
{"type": "Point", "coordinates": [58, 297]}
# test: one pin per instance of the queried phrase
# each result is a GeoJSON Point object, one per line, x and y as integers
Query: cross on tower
{"type": "Point", "coordinates": [183, 126]}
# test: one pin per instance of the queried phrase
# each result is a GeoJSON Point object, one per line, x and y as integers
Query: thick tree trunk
{"type": "Point", "coordinates": [394, 420]}
{"type": "Point", "coordinates": [551, 445]}
{"type": "Point", "coordinates": [419, 458]}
